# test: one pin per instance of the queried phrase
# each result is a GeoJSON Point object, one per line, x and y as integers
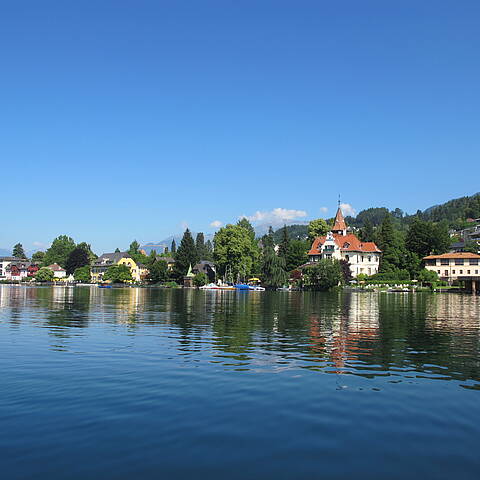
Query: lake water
{"type": "Point", "coordinates": [150, 383]}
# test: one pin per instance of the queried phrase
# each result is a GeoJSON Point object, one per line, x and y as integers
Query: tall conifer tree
{"type": "Point", "coordinates": [186, 255]}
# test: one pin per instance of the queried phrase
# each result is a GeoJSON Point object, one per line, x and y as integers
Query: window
{"type": "Point", "coordinates": [476, 272]}
{"type": "Point", "coordinates": [446, 273]}
{"type": "Point", "coordinates": [432, 262]}
{"type": "Point", "coordinates": [362, 258]}
{"type": "Point", "coordinates": [468, 272]}
{"type": "Point", "coordinates": [459, 261]}
{"type": "Point", "coordinates": [438, 271]}
{"type": "Point", "coordinates": [474, 261]}
{"type": "Point", "coordinates": [444, 261]}
{"type": "Point", "coordinates": [453, 271]}
{"type": "Point", "coordinates": [369, 259]}
{"type": "Point", "coordinates": [461, 272]}
{"type": "Point", "coordinates": [347, 257]}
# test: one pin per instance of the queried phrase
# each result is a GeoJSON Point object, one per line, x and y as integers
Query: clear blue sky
{"type": "Point", "coordinates": [129, 119]}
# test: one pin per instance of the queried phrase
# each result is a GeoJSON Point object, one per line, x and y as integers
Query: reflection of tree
{"type": "Point", "coordinates": [364, 334]}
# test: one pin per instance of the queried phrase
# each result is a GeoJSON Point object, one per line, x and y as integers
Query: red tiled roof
{"type": "Point", "coordinates": [56, 267]}
{"type": "Point", "coordinates": [453, 255]}
{"type": "Point", "coordinates": [339, 221]}
{"type": "Point", "coordinates": [347, 243]}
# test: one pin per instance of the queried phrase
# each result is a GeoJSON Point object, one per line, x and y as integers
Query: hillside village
{"type": "Point", "coordinates": [387, 247]}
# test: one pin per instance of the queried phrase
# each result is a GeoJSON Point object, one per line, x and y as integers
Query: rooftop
{"type": "Point", "coordinates": [453, 255]}
{"type": "Point", "coordinates": [339, 223]}
{"type": "Point", "coordinates": [347, 243]}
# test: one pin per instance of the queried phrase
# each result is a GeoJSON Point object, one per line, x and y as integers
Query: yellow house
{"type": "Point", "coordinates": [102, 264]}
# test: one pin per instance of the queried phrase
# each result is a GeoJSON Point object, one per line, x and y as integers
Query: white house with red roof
{"type": "Point", "coordinates": [58, 271]}
{"type": "Point", "coordinates": [339, 243]}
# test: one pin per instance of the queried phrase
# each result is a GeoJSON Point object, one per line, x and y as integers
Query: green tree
{"type": "Point", "coordinates": [346, 271]}
{"type": "Point", "coordinates": [77, 258]}
{"type": "Point", "coordinates": [152, 258]}
{"type": "Point", "coordinates": [268, 240]}
{"type": "Point", "coordinates": [317, 228]}
{"type": "Point", "coordinates": [82, 274]}
{"type": "Point", "coordinates": [284, 245]}
{"type": "Point", "coordinates": [200, 245]}
{"type": "Point", "coordinates": [185, 256]}
{"type": "Point", "coordinates": [208, 250]}
{"type": "Point", "coordinates": [38, 257]}
{"type": "Point", "coordinates": [87, 247]}
{"type": "Point", "coordinates": [59, 251]}
{"type": "Point", "coordinates": [296, 254]}
{"type": "Point", "coordinates": [44, 275]}
{"type": "Point", "coordinates": [324, 275]}
{"type": "Point", "coordinates": [118, 274]}
{"type": "Point", "coordinates": [134, 248]}
{"type": "Point", "coordinates": [245, 223]}
{"type": "Point", "coordinates": [274, 274]}
{"type": "Point", "coordinates": [200, 279]}
{"type": "Point", "coordinates": [392, 244]}
{"type": "Point", "coordinates": [235, 252]}
{"type": "Point", "coordinates": [158, 272]}
{"type": "Point", "coordinates": [428, 276]}
{"type": "Point", "coordinates": [471, 246]}
{"type": "Point", "coordinates": [18, 251]}
{"type": "Point", "coordinates": [424, 238]}
{"type": "Point", "coordinates": [117, 250]}
{"type": "Point", "coordinates": [367, 233]}
{"type": "Point", "coordinates": [173, 247]}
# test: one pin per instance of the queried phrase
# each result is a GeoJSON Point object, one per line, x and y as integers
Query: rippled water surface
{"type": "Point", "coordinates": [150, 383]}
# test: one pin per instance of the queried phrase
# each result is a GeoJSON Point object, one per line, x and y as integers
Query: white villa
{"type": "Point", "coordinates": [363, 257]}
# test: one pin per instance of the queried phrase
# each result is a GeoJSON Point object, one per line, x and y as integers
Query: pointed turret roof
{"type": "Point", "coordinates": [339, 223]}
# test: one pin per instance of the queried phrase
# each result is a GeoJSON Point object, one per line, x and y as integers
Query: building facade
{"type": "Point", "coordinates": [20, 269]}
{"type": "Point", "coordinates": [58, 271]}
{"type": "Point", "coordinates": [107, 260]}
{"type": "Point", "coordinates": [454, 266]}
{"type": "Point", "coordinates": [340, 244]}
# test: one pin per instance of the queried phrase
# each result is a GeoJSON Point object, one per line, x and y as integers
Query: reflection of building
{"type": "Point", "coordinates": [347, 336]}
{"type": "Point", "coordinates": [107, 260]}
{"type": "Point", "coordinates": [451, 266]}
{"type": "Point", "coordinates": [363, 257]}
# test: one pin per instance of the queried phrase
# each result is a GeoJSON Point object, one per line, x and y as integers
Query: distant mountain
{"type": "Point", "coordinates": [160, 246]}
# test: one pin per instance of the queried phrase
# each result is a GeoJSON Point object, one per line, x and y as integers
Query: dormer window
{"type": "Point", "coordinates": [346, 245]}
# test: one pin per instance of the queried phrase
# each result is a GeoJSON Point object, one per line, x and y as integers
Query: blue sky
{"type": "Point", "coordinates": [131, 119]}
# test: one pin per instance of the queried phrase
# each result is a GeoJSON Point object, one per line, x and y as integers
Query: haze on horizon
{"type": "Point", "coordinates": [123, 120]}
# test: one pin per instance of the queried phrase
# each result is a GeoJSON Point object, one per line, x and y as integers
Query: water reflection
{"type": "Point", "coordinates": [401, 336]}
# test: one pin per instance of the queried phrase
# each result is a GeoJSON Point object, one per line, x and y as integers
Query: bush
{"type": "Point", "coordinates": [200, 279]}
{"type": "Point", "coordinates": [44, 275]}
{"type": "Point", "coordinates": [324, 275]}
{"type": "Point", "coordinates": [171, 285]}
{"type": "Point", "coordinates": [82, 274]}
{"type": "Point", "coordinates": [428, 276]}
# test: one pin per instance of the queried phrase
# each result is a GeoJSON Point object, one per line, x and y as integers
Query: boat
{"type": "Point", "coordinates": [103, 285]}
{"type": "Point", "coordinates": [250, 288]}
{"type": "Point", "coordinates": [214, 286]}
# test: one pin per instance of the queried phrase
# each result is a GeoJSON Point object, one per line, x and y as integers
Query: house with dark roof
{"type": "Point", "coordinates": [340, 244]}
{"type": "Point", "coordinates": [204, 266]}
{"type": "Point", "coordinates": [19, 269]}
{"type": "Point", "coordinates": [138, 271]}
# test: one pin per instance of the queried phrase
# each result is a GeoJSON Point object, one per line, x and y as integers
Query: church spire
{"type": "Point", "coordinates": [339, 226]}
